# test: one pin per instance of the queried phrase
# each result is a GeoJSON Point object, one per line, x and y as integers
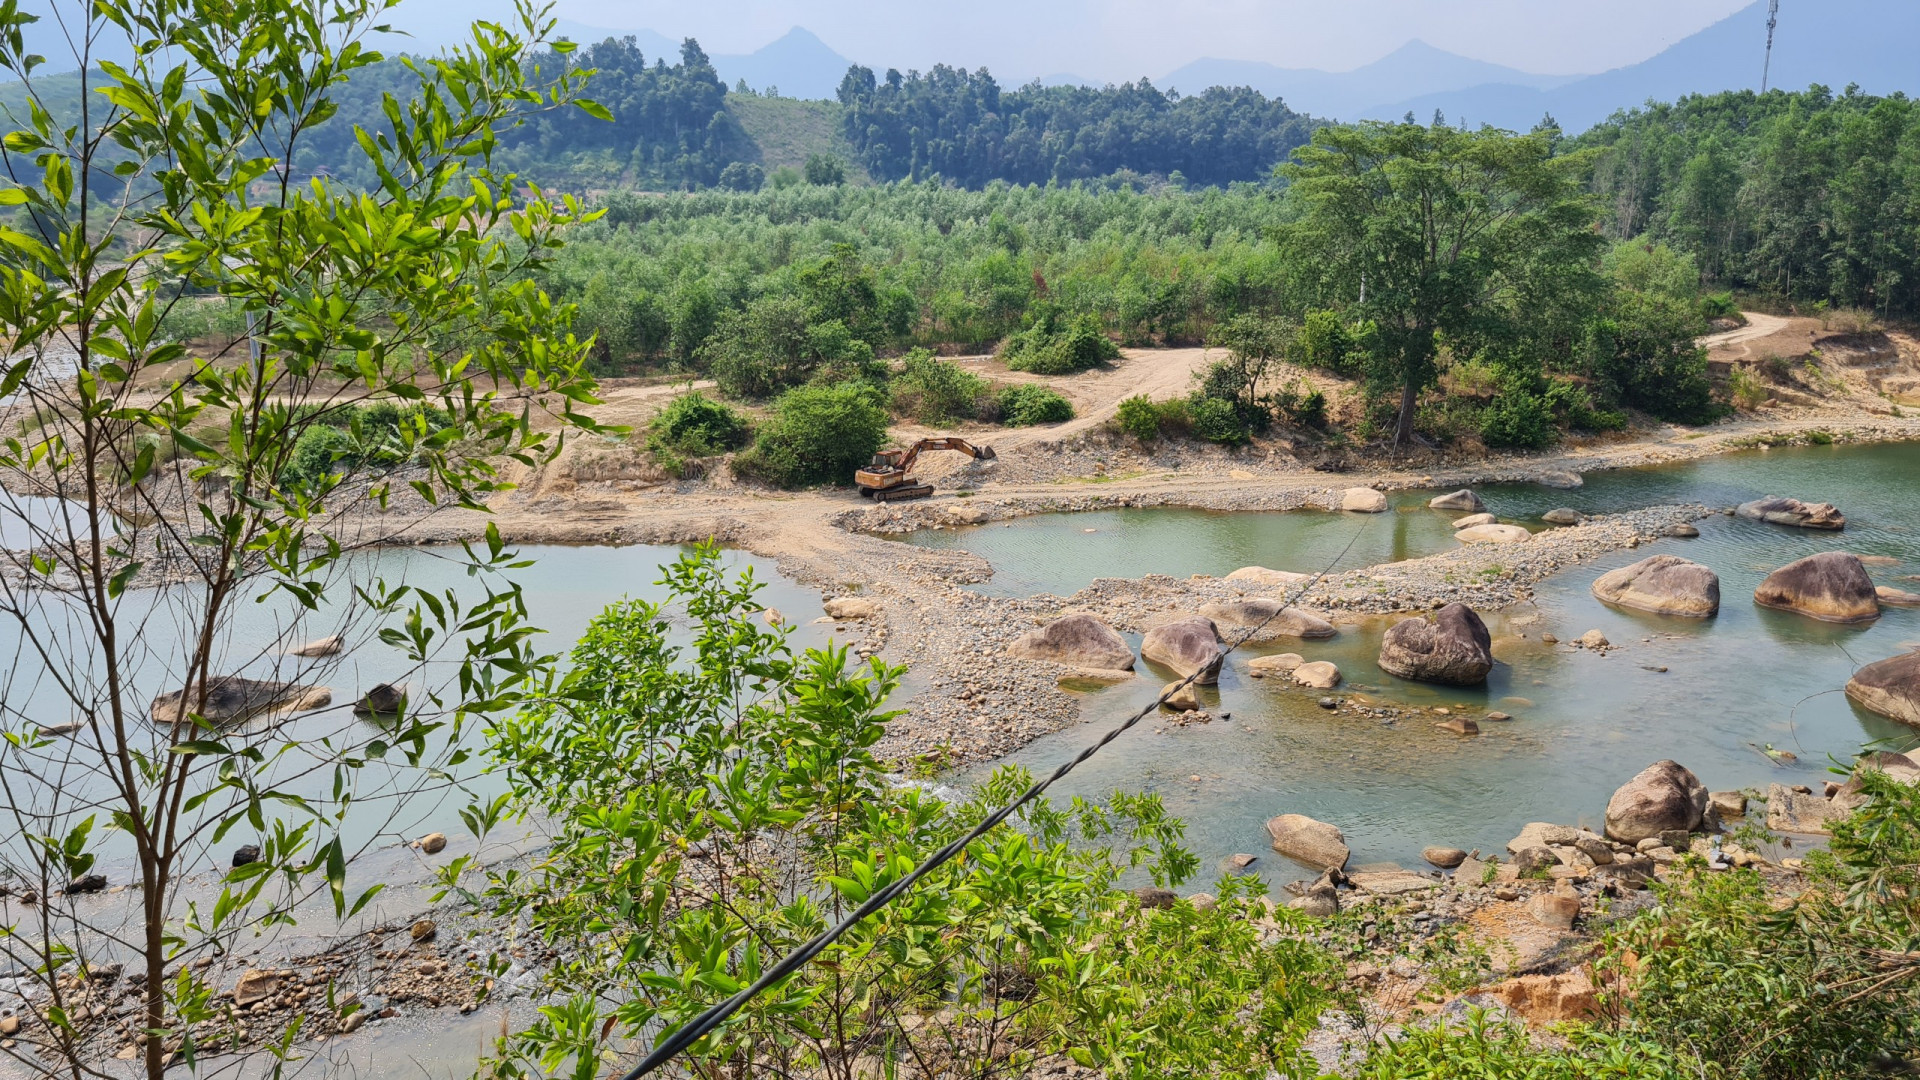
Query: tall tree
{"type": "Point", "coordinates": [396, 347]}
{"type": "Point", "coordinates": [1438, 235]}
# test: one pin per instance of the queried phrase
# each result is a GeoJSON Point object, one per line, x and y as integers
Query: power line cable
{"type": "Point", "coordinates": [674, 1044]}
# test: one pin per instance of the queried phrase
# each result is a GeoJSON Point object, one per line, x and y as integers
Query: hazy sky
{"type": "Point", "coordinates": [1120, 39]}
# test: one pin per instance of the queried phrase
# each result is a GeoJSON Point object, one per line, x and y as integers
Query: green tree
{"type": "Point", "coordinates": [1435, 235]}
{"type": "Point", "coordinates": [182, 178]}
{"type": "Point", "coordinates": [817, 435]}
{"type": "Point", "coordinates": [825, 170]}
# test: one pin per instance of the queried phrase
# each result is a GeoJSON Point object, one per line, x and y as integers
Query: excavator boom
{"type": "Point", "coordinates": [889, 476]}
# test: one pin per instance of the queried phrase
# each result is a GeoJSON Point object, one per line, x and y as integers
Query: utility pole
{"type": "Point", "coordinates": [1773, 18]}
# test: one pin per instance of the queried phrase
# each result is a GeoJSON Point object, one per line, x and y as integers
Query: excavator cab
{"type": "Point", "coordinates": [890, 478]}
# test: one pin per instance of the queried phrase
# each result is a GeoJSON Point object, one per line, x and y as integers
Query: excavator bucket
{"type": "Point", "coordinates": [984, 453]}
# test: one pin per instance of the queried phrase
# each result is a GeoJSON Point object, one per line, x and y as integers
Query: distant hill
{"type": "Point", "coordinates": [1415, 68]}
{"type": "Point", "coordinates": [1834, 43]}
{"type": "Point", "coordinates": [799, 64]}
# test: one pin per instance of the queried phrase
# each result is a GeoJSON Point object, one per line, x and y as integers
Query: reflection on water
{"type": "Point", "coordinates": [1062, 553]}
{"type": "Point", "coordinates": [564, 588]}
{"type": "Point", "coordinates": [1583, 722]}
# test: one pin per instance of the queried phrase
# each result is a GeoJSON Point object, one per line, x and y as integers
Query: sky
{"type": "Point", "coordinates": [1124, 39]}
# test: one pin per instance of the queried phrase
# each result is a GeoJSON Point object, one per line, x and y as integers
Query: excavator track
{"type": "Point", "coordinates": [917, 491]}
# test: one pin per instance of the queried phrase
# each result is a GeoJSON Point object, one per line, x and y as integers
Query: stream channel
{"type": "Point", "coordinates": [1583, 722]}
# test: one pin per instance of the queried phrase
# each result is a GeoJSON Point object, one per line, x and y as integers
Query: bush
{"type": "Point", "coordinates": [933, 390]}
{"type": "Point", "coordinates": [1518, 420]}
{"type": "Point", "coordinates": [1748, 392]}
{"type": "Point", "coordinates": [1481, 1049]}
{"type": "Point", "coordinates": [343, 441]}
{"type": "Point", "coordinates": [1138, 417]}
{"type": "Point", "coordinates": [817, 435]}
{"type": "Point", "coordinates": [1302, 404]}
{"type": "Point", "coordinates": [825, 170]}
{"type": "Point", "coordinates": [1022, 406]}
{"type": "Point", "coordinates": [1216, 420]}
{"type": "Point", "coordinates": [742, 176]}
{"type": "Point", "coordinates": [1048, 347]}
{"type": "Point", "coordinates": [694, 426]}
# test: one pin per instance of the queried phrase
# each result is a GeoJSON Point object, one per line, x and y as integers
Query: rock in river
{"type": "Point", "coordinates": [1180, 697]}
{"type": "Point", "coordinates": [1792, 811]}
{"type": "Point", "coordinates": [232, 698]}
{"type": "Point", "coordinates": [1464, 499]}
{"type": "Point", "coordinates": [1831, 586]}
{"type": "Point", "coordinates": [1319, 675]}
{"type": "Point", "coordinates": [1664, 584]}
{"type": "Point", "coordinates": [1453, 648]}
{"type": "Point", "coordinates": [1445, 858]}
{"type": "Point", "coordinates": [1665, 796]}
{"type": "Point", "coordinates": [1493, 534]}
{"type": "Point", "coordinates": [1890, 687]}
{"type": "Point", "coordinates": [851, 607]}
{"type": "Point", "coordinates": [1274, 620]}
{"type": "Point", "coordinates": [1471, 520]}
{"type": "Point", "coordinates": [1278, 664]}
{"type": "Point", "coordinates": [1079, 640]}
{"type": "Point", "coordinates": [1793, 512]}
{"type": "Point", "coordinates": [1186, 646]}
{"type": "Point", "coordinates": [1556, 478]}
{"type": "Point", "coordinates": [1893, 597]}
{"type": "Point", "coordinates": [1315, 843]}
{"type": "Point", "coordinates": [1260, 575]}
{"type": "Point", "coordinates": [1363, 500]}
{"type": "Point", "coordinates": [1565, 515]}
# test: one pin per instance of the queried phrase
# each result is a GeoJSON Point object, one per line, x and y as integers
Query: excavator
{"type": "Point", "coordinates": [890, 476]}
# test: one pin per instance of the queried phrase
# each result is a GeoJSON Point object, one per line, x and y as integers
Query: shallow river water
{"type": "Point", "coordinates": [1583, 722]}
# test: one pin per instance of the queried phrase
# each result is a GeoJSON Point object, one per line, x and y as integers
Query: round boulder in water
{"type": "Point", "coordinates": [1801, 515]}
{"type": "Point", "coordinates": [1831, 586]}
{"type": "Point", "coordinates": [1664, 797]}
{"type": "Point", "coordinates": [1363, 500]}
{"type": "Point", "coordinates": [1454, 648]}
{"type": "Point", "coordinates": [1274, 619]}
{"type": "Point", "coordinates": [1493, 534]}
{"type": "Point", "coordinates": [1663, 584]}
{"type": "Point", "coordinates": [1890, 687]}
{"type": "Point", "coordinates": [1079, 640]}
{"type": "Point", "coordinates": [1315, 843]}
{"type": "Point", "coordinates": [1464, 499]}
{"type": "Point", "coordinates": [1187, 646]}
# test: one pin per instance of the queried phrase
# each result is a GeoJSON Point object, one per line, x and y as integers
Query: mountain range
{"type": "Point", "coordinates": [1840, 42]}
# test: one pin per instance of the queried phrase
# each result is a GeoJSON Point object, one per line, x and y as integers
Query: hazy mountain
{"type": "Point", "coordinates": [798, 63]}
{"type": "Point", "coordinates": [1413, 69]}
{"type": "Point", "coordinates": [1834, 43]}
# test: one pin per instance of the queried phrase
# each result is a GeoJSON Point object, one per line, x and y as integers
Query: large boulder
{"type": "Point", "coordinates": [1078, 640]}
{"type": "Point", "coordinates": [1318, 675]}
{"type": "Point", "coordinates": [1261, 576]}
{"type": "Point", "coordinates": [1564, 515]}
{"type": "Point", "coordinates": [851, 607]}
{"type": "Point", "coordinates": [1454, 648]}
{"type": "Point", "coordinates": [1793, 512]}
{"type": "Point", "coordinates": [1278, 664]}
{"type": "Point", "coordinates": [1471, 520]}
{"type": "Point", "coordinates": [232, 698]}
{"type": "Point", "coordinates": [1187, 646]}
{"type": "Point", "coordinates": [1314, 843]}
{"type": "Point", "coordinates": [1831, 586]}
{"type": "Point", "coordinates": [1664, 584]}
{"type": "Point", "coordinates": [1274, 619]}
{"type": "Point", "coordinates": [1363, 500]}
{"type": "Point", "coordinates": [1797, 812]}
{"type": "Point", "coordinates": [1558, 478]}
{"type": "Point", "coordinates": [1665, 796]}
{"type": "Point", "coordinates": [1464, 499]}
{"type": "Point", "coordinates": [1890, 687]}
{"type": "Point", "coordinates": [1493, 534]}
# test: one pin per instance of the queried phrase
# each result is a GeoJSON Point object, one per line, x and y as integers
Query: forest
{"type": "Point", "coordinates": [1807, 197]}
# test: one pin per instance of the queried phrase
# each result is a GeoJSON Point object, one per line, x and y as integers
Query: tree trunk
{"type": "Point", "coordinates": [1403, 430]}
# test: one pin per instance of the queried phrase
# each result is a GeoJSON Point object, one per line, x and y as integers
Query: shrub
{"type": "Point", "coordinates": [1481, 1049]}
{"type": "Point", "coordinates": [1216, 420]}
{"type": "Point", "coordinates": [1519, 420]}
{"type": "Point", "coordinates": [382, 435]}
{"type": "Point", "coordinates": [1056, 346]}
{"type": "Point", "coordinates": [1138, 417]}
{"type": "Point", "coordinates": [1748, 392]}
{"type": "Point", "coordinates": [817, 435]}
{"type": "Point", "coordinates": [1025, 405]}
{"type": "Point", "coordinates": [825, 170]}
{"type": "Point", "coordinates": [742, 176]}
{"type": "Point", "coordinates": [694, 426]}
{"type": "Point", "coordinates": [1302, 404]}
{"type": "Point", "coordinates": [777, 342]}
{"type": "Point", "coordinates": [933, 390]}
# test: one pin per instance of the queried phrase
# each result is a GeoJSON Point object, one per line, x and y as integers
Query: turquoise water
{"type": "Point", "coordinates": [1583, 723]}
{"type": "Point", "coordinates": [564, 588]}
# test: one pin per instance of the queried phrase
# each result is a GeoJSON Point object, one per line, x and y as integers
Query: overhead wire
{"type": "Point", "coordinates": [677, 1041]}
